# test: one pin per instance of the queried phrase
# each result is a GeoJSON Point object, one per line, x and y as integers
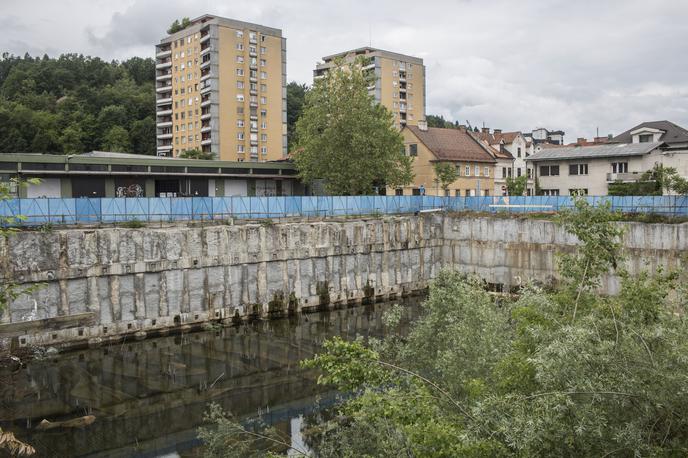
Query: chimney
{"type": "Point", "coordinates": [423, 125]}
{"type": "Point", "coordinates": [486, 130]}
{"type": "Point", "coordinates": [498, 131]}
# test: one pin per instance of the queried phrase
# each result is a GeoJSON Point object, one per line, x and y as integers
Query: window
{"type": "Point", "coordinates": [578, 192]}
{"type": "Point", "coordinates": [264, 150]}
{"type": "Point", "coordinates": [240, 84]}
{"type": "Point", "coordinates": [240, 72]}
{"type": "Point", "coordinates": [468, 171]}
{"type": "Point", "coordinates": [264, 125]}
{"type": "Point", "coordinates": [549, 170]}
{"type": "Point", "coordinates": [619, 167]}
{"type": "Point", "coordinates": [477, 170]}
{"type": "Point", "coordinates": [263, 75]}
{"type": "Point", "coordinates": [253, 36]}
{"type": "Point", "coordinates": [486, 171]}
{"type": "Point", "coordinates": [240, 59]}
{"type": "Point", "coordinates": [413, 149]}
{"type": "Point", "coordinates": [239, 34]}
{"type": "Point", "coordinates": [263, 63]}
{"type": "Point", "coordinates": [503, 172]}
{"type": "Point", "coordinates": [263, 50]}
{"type": "Point", "coordinates": [240, 97]}
{"type": "Point", "coordinates": [578, 169]}
{"type": "Point", "coordinates": [645, 138]}
{"type": "Point", "coordinates": [252, 49]}
{"type": "Point", "coordinates": [263, 137]}
{"type": "Point", "coordinates": [263, 113]}
{"type": "Point", "coordinates": [263, 87]}
{"type": "Point", "coordinates": [518, 153]}
{"type": "Point", "coordinates": [240, 148]}
{"type": "Point", "coordinates": [549, 192]}
{"type": "Point", "coordinates": [240, 46]}
{"type": "Point", "coordinates": [263, 100]}
{"type": "Point", "coordinates": [240, 123]}
{"type": "Point", "coordinates": [240, 135]}
{"type": "Point", "coordinates": [518, 171]}
{"type": "Point", "coordinates": [240, 110]}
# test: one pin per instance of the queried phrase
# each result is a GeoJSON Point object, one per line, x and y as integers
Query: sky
{"type": "Point", "coordinates": [574, 65]}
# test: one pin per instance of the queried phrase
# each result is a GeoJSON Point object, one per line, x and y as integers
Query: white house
{"type": "Point", "coordinates": [590, 169]}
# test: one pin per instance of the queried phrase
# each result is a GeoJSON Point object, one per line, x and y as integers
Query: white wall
{"type": "Point", "coordinates": [235, 187]}
{"type": "Point", "coordinates": [48, 187]}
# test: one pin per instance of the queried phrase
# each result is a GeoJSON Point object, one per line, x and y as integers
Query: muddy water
{"type": "Point", "coordinates": [149, 397]}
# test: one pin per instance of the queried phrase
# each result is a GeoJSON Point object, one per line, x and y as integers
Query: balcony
{"type": "Point", "coordinates": [165, 147]}
{"type": "Point", "coordinates": [207, 141]}
{"type": "Point", "coordinates": [205, 103]}
{"type": "Point", "coordinates": [206, 88]}
{"type": "Point", "coordinates": [205, 63]}
{"type": "Point", "coordinates": [164, 124]}
{"type": "Point", "coordinates": [163, 53]}
{"type": "Point", "coordinates": [206, 116]}
{"type": "Point", "coordinates": [205, 129]}
{"type": "Point", "coordinates": [164, 136]}
{"type": "Point", "coordinates": [205, 37]}
{"type": "Point", "coordinates": [369, 66]}
{"type": "Point", "coordinates": [163, 101]}
{"type": "Point", "coordinates": [165, 64]}
{"type": "Point", "coordinates": [164, 112]}
{"type": "Point", "coordinates": [164, 76]}
{"type": "Point", "coordinates": [164, 88]}
{"type": "Point", "coordinates": [205, 50]}
{"type": "Point", "coordinates": [625, 177]}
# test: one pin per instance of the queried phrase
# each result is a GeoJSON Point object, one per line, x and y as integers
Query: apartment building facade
{"type": "Point", "coordinates": [399, 82]}
{"type": "Point", "coordinates": [474, 162]}
{"type": "Point", "coordinates": [221, 89]}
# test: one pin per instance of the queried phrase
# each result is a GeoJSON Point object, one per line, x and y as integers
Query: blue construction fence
{"type": "Point", "coordinates": [110, 210]}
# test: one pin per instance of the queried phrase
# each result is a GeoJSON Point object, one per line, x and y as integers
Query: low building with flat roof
{"type": "Point", "coordinates": [108, 174]}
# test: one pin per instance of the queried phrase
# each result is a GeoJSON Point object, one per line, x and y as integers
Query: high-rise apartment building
{"type": "Point", "coordinates": [399, 81]}
{"type": "Point", "coordinates": [221, 88]}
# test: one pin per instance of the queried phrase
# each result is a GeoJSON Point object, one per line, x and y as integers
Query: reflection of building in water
{"type": "Point", "coordinates": [151, 395]}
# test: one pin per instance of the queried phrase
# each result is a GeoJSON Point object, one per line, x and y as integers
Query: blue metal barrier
{"type": "Point", "coordinates": [109, 210]}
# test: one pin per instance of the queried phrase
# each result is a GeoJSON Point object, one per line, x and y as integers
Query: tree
{"type": "Point", "coordinates": [142, 136]}
{"type": "Point", "coordinates": [196, 154]}
{"type": "Point", "coordinates": [516, 186]}
{"type": "Point", "coordinates": [72, 140]}
{"type": "Point", "coordinates": [176, 26]}
{"type": "Point", "coordinates": [296, 96]}
{"type": "Point", "coordinates": [445, 175]}
{"type": "Point", "coordinates": [346, 139]}
{"type": "Point", "coordinates": [116, 139]}
{"type": "Point", "coordinates": [478, 377]}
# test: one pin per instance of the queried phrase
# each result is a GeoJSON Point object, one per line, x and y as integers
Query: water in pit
{"type": "Point", "coordinates": [149, 397]}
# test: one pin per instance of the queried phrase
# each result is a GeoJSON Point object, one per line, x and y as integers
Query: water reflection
{"type": "Point", "coordinates": [149, 397]}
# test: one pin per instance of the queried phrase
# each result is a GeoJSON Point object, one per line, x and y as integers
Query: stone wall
{"type": "Point", "coordinates": [106, 283]}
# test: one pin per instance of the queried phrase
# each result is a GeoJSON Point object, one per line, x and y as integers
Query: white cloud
{"type": "Point", "coordinates": [513, 65]}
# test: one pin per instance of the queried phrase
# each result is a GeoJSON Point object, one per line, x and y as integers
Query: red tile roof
{"type": "Point", "coordinates": [452, 144]}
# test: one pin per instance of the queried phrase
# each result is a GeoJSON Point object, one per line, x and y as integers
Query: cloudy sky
{"type": "Point", "coordinates": [561, 64]}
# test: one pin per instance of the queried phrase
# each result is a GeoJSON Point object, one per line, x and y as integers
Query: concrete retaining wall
{"type": "Point", "coordinates": [102, 284]}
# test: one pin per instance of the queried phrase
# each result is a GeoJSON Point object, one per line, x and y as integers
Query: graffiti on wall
{"type": "Point", "coordinates": [133, 190]}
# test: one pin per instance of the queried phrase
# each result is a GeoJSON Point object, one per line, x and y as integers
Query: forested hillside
{"type": "Point", "coordinates": [74, 104]}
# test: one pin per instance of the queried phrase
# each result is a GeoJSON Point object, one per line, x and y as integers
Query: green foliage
{"type": "Point", "coordinates": [480, 378]}
{"type": "Point", "coordinates": [347, 139]}
{"type": "Point", "coordinates": [296, 97]}
{"type": "Point", "coordinates": [72, 103]}
{"type": "Point", "coordinates": [445, 174]}
{"type": "Point", "coordinates": [133, 224]}
{"type": "Point", "coordinates": [516, 186]}
{"type": "Point", "coordinates": [196, 154]}
{"type": "Point", "coordinates": [178, 25]}
{"type": "Point", "coordinates": [439, 121]}
{"type": "Point", "coordinates": [636, 188]}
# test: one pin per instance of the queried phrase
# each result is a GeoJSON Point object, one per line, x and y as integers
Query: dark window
{"type": "Point", "coordinates": [544, 170]}
{"type": "Point", "coordinates": [578, 192]}
{"type": "Point", "coordinates": [8, 166]}
{"type": "Point", "coordinates": [413, 149]}
{"type": "Point", "coordinates": [415, 192]}
{"type": "Point", "coordinates": [237, 171]}
{"type": "Point", "coordinates": [519, 151]}
{"type": "Point", "coordinates": [168, 188]}
{"type": "Point", "coordinates": [503, 172]}
{"type": "Point", "coordinates": [265, 172]}
{"type": "Point", "coordinates": [88, 187]}
{"type": "Point", "coordinates": [128, 168]}
{"type": "Point", "coordinates": [549, 170]}
{"type": "Point", "coordinates": [554, 170]}
{"type": "Point", "coordinates": [88, 167]}
{"type": "Point", "coordinates": [42, 166]}
{"type": "Point", "coordinates": [399, 192]}
{"type": "Point", "coordinates": [202, 169]}
{"type": "Point", "coordinates": [645, 138]}
{"type": "Point", "coordinates": [619, 167]}
{"type": "Point", "coordinates": [578, 169]}
{"type": "Point", "coordinates": [290, 172]}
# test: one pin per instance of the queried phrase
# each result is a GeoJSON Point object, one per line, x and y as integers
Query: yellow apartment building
{"type": "Point", "coordinates": [474, 161]}
{"type": "Point", "coordinates": [399, 81]}
{"type": "Point", "coordinates": [221, 88]}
